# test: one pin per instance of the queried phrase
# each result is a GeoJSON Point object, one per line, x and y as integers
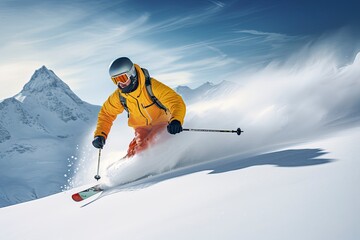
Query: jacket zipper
{"type": "Point", "coordinates": [147, 113]}
{"type": "Point", "coordinates": [138, 105]}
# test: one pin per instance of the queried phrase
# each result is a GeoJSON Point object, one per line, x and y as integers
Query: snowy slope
{"type": "Point", "coordinates": [307, 191]}
{"type": "Point", "coordinates": [42, 129]}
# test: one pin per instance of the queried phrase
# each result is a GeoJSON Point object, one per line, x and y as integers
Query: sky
{"type": "Point", "coordinates": [179, 42]}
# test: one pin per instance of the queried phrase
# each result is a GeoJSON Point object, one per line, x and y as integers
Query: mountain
{"type": "Point", "coordinates": [41, 130]}
{"type": "Point", "coordinates": [207, 90]}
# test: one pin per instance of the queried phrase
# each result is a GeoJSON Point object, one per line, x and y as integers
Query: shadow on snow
{"type": "Point", "coordinates": [286, 158]}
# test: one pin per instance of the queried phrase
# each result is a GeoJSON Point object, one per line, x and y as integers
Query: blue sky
{"type": "Point", "coordinates": [180, 42]}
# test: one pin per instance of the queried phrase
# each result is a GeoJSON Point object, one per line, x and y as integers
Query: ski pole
{"type": "Point", "coordinates": [238, 131]}
{"type": "Point", "coordinates": [97, 176]}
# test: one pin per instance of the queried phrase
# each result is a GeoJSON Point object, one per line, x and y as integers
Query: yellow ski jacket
{"type": "Point", "coordinates": [142, 110]}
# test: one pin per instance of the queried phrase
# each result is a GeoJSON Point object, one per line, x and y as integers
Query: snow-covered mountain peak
{"type": "Point", "coordinates": [45, 100]}
{"type": "Point", "coordinates": [208, 90]}
{"type": "Point", "coordinates": [46, 88]}
{"type": "Point", "coordinates": [207, 85]}
{"type": "Point", "coordinates": [44, 79]}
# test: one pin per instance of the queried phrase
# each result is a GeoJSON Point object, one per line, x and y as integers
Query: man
{"type": "Point", "coordinates": [151, 106]}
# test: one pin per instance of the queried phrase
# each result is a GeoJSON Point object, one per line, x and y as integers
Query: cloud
{"type": "Point", "coordinates": [218, 3]}
{"type": "Point", "coordinates": [185, 20]}
{"type": "Point", "coordinates": [79, 47]}
{"type": "Point", "coordinates": [267, 35]}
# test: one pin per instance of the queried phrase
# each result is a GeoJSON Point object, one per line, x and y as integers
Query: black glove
{"type": "Point", "coordinates": [174, 127]}
{"type": "Point", "coordinates": [98, 142]}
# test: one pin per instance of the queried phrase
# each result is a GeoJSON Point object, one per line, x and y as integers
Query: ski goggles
{"type": "Point", "coordinates": [123, 77]}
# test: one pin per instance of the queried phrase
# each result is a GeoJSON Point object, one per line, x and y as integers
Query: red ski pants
{"type": "Point", "coordinates": [144, 136]}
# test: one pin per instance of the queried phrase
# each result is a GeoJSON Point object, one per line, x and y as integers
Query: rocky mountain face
{"type": "Point", "coordinates": [41, 128]}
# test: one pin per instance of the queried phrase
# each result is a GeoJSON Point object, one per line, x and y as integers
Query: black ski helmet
{"type": "Point", "coordinates": [121, 66]}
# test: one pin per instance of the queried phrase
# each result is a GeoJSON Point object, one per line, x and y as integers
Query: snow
{"type": "Point", "coordinates": [306, 191]}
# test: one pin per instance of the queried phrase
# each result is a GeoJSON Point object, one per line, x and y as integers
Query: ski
{"type": "Point", "coordinates": [91, 191]}
{"type": "Point", "coordinates": [85, 194]}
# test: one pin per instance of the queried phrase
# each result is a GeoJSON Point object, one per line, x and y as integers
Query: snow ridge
{"type": "Point", "coordinates": [207, 90]}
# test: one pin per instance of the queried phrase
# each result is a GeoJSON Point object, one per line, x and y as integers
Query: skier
{"type": "Point", "coordinates": [151, 106]}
